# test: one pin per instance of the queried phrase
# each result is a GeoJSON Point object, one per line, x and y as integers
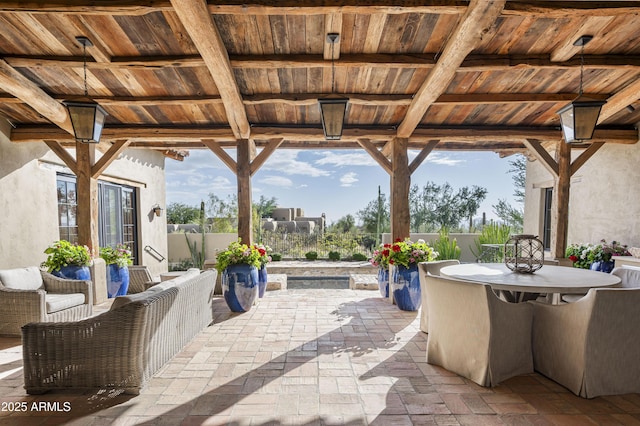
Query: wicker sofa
{"type": "Point", "coordinates": [123, 347]}
{"type": "Point", "coordinates": [30, 295]}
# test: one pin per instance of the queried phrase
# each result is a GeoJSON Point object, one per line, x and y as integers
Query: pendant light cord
{"type": "Point", "coordinates": [333, 68]}
{"type": "Point", "coordinates": [581, 67]}
{"type": "Point", "coordinates": [84, 66]}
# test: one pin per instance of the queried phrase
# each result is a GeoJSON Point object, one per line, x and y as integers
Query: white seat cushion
{"type": "Point", "coordinates": [22, 278]}
{"type": "Point", "coordinates": [59, 302]}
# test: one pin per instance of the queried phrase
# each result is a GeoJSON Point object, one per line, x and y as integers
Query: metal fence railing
{"type": "Point", "coordinates": [296, 245]}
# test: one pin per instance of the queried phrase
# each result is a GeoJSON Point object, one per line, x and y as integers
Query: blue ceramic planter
{"type": "Point", "coordinates": [74, 273]}
{"type": "Point", "coordinates": [263, 278]}
{"type": "Point", "coordinates": [602, 266]}
{"type": "Point", "coordinates": [383, 282]}
{"type": "Point", "coordinates": [240, 287]}
{"type": "Point", "coordinates": [406, 288]}
{"type": "Point", "coordinates": [117, 280]}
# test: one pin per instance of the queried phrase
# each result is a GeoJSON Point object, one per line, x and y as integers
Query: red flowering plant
{"type": "Point", "coordinates": [381, 256]}
{"type": "Point", "coordinates": [265, 253]}
{"type": "Point", "coordinates": [408, 253]}
{"type": "Point", "coordinates": [583, 255]}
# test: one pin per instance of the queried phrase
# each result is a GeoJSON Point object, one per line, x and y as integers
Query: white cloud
{"type": "Point", "coordinates": [442, 159]}
{"type": "Point", "coordinates": [345, 158]}
{"type": "Point", "coordinates": [221, 183]}
{"type": "Point", "coordinates": [277, 181]}
{"type": "Point", "coordinates": [286, 161]}
{"type": "Point", "coordinates": [348, 179]}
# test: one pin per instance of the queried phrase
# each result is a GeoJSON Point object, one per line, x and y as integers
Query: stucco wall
{"type": "Point", "coordinates": [29, 203]}
{"type": "Point", "coordinates": [604, 201]}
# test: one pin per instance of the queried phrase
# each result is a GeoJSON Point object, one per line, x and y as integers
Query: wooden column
{"type": "Point", "coordinates": [563, 184]}
{"type": "Point", "coordinates": [400, 183]}
{"type": "Point", "coordinates": [87, 193]}
{"type": "Point", "coordinates": [245, 216]}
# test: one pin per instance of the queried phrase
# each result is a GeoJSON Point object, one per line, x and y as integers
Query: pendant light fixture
{"type": "Point", "coordinates": [87, 117]}
{"type": "Point", "coordinates": [579, 118]}
{"type": "Point", "coordinates": [333, 108]}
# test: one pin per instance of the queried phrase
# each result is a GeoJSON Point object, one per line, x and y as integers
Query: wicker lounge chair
{"type": "Point", "coordinates": [31, 295]}
{"type": "Point", "coordinates": [139, 279]}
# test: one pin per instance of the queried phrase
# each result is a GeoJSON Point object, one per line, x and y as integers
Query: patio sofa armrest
{"type": "Point", "coordinates": [53, 284]}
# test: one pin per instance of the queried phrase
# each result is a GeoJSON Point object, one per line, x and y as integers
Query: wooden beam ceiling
{"type": "Point", "coordinates": [476, 21]}
{"type": "Point", "coordinates": [204, 34]}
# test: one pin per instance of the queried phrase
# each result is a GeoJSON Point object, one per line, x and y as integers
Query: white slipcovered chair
{"type": "Point", "coordinates": [591, 346]}
{"type": "Point", "coordinates": [424, 269]}
{"type": "Point", "coordinates": [31, 295]}
{"type": "Point", "coordinates": [629, 278]}
{"type": "Point", "coordinates": [475, 334]}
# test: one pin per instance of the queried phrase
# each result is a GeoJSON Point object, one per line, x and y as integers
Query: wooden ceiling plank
{"type": "Point", "coordinates": [332, 24]}
{"type": "Point", "coordinates": [591, 25]}
{"type": "Point", "coordinates": [584, 156]}
{"type": "Point", "coordinates": [422, 155]}
{"type": "Point", "coordinates": [222, 154]}
{"type": "Point", "coordinates": [266, 152]}
{"type": "Point", "coordinates": [108, 157]}
{"type": "Point", "coordinates": [476, 21]}
{"type": "Point", "coordinates": [11, 81]}
{"type": "Point", "coordinates": [538, 151]}
{"type": "Point", "coordinates": [620, 100]}
{"type": "Point", "coordinates": [97, 50]}
{"type": "Point", "coordinates": [374, 32]}
{"type": "Point", "coordinates": [63, 154]}
{"type": "Point", "coordinates": [196, 19]}
{"type": "Point", "coordinates": [383, 161]}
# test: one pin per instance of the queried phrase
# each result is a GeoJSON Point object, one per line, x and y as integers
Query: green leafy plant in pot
{"type": "Point", "coordinates": [68, 260]}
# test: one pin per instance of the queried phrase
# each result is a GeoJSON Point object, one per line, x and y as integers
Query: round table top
{"type": "Point", "coordinates": [548, 279]}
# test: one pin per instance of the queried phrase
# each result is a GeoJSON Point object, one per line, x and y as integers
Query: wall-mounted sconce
{"type": "Point", "coordinates": [157, 210]}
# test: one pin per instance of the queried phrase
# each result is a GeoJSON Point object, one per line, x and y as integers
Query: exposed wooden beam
{"type": "Point", "coordinates": [584, 156]}
{"type": "Point", "coordinates": [620, 100]}
{"type": "Point", "coordinates": [550, 9]}
{"type": "Point", "coordinates": [11, 81]}
{"type": "Point", "coordinates": [310, 99]}
{"type": "Point", "coordinates": [64, 155]}
{"type": "Point", "coordinates": [472, 63]}
{"type": "Point", "coordinates": [469, 135]}
{"type": "Point", "coordinates": [383, 161]}
{"type": "Point", "coordinates": [108, 157]}
{"type": "Point", "coordinates": [476, 21]}
{"type": "Point", "coordinates": [196, 19]}
{"type": "Point", "coordinates": [222, 154]}
{"type": "Point", "coordinates": [266, 152]}
{"type": "Point", "coordinates": [422, 155]}
{"type": "Point", "coordinates": [568, 9]}
{"type": "Point", "coordinates": [541, 154]}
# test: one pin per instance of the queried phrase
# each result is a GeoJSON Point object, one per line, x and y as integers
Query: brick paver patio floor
{"type": "Point", "coordinates": [309, 357]}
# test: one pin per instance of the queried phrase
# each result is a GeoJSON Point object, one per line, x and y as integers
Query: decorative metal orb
{"type": "Point", "coordinates": [524, 253]}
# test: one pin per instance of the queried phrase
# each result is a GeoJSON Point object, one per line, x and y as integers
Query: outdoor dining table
{"type": "Point", "coordinates": [514, 286]}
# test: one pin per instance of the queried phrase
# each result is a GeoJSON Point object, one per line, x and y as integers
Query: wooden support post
{"type": "Point", "coordinates": [563, 184]}
{"type": "Point", "coordinates": [245, 216]}
{"type": "Point", "coordinates": [400, 183]}
{"type": "Point", "coordinates": [87, 193]}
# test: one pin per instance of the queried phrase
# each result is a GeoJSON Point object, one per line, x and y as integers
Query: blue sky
{"type": "Point", "coordinates": [334, 182]}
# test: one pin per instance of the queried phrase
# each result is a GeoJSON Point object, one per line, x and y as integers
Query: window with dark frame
{"type": "Point", "coordinates": [117, 221]}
